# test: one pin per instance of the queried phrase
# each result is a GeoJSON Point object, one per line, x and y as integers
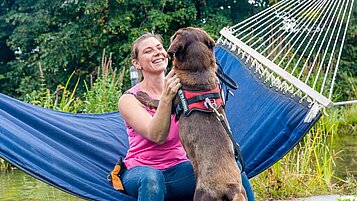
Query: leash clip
{"type": "Point", "coordinates": [213, 107]}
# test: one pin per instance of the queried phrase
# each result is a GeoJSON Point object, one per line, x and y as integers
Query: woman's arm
{"type": "Point", "coordinates": [154, 128]}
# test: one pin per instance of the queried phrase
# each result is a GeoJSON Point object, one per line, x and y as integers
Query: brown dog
{"type": "Point", "coordinates": [202, 134]}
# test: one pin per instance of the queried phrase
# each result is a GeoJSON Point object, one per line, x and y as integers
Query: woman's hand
{"type": "Point", "coordinates": [171, 86]}
{"type": "Point", "coordinates": [154, 128]}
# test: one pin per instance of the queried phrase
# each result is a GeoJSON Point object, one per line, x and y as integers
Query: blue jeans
{"type": "Point", "coordinates": [246, 184]}
{"type": "Point", "coordinates": [175, 183]}
{"type": "Point", "coordinates": [149, 184]}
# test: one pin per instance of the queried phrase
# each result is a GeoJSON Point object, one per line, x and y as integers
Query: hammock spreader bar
{"type": "Point", "coordinates": [252, 54]}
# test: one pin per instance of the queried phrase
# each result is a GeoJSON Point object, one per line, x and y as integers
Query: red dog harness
{"type": "Point", "coordinates": [206, 101]}
{"type": "Point", "coordinates": [197, 101]}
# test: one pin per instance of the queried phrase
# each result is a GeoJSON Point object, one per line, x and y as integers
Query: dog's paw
{"type": "Point", "coordinates": [146, 100]}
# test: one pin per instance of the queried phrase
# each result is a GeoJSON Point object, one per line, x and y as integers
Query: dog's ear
{"type": "Point", "coordinates": [205, 38]}
{"type": "Point", "coordinates": [175, 46]}
{"type": "Point", "coordinates": [210, 42]}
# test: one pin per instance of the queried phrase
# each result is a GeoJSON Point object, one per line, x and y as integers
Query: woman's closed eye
{"type": "Point", "coordinates": [148, 50]}
{"type": "Point", "coordinates": [160, 47]}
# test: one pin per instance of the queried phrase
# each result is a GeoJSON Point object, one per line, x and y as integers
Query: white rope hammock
{"type": "Point", "coordinates": [295, 45]}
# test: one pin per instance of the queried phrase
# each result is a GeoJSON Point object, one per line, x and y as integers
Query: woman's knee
{"type": "Point", "coordinates": [145, 183]}
{"type": "Point", "coordinates": [153, 179]}
{"type": "Point", "coordinates": [152, 185]}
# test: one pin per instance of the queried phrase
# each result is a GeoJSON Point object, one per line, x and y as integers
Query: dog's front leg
{"type": "Point", "coordinates": [204, 195]}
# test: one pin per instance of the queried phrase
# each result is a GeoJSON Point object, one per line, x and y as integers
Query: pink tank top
{"type": "Point", "coordinates": [143, 152]}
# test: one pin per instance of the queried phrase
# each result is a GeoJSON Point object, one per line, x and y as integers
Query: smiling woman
{"type": "Point", "coordinates": [155, 151]}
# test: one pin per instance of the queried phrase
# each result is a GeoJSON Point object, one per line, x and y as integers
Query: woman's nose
{"type": "Point", "coordinates": [156, 51]}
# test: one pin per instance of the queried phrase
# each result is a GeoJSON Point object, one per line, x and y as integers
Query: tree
{"type": "Point", "coordinates": [67, 36]}
{"type": "Point", "coordinates": [347, 75]}
{"type": "Point", "coordinates": [6, 55]}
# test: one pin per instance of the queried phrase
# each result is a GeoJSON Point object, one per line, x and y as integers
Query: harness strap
{"type": "Point", "coordinates": [220, 117]}
{"type": "Point", "coordinates": [237, 154]}
{"type": "Point", "coordinates": [225, 78]}
{"type": "Point", "coordinates": [183, 105]}
{"type": "Point", "coordinates": [198, 98]}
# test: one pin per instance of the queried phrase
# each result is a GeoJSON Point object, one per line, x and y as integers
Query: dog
{"type": "Point", "coordinates": [203, 136]}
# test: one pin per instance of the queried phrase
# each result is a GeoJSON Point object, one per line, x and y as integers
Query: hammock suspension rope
{"type": "Point", "coordinates": [296, 45]}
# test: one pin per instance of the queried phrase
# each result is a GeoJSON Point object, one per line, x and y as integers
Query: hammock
{"type": "Point", "coordinates": [269, 113]}
{"type": "Point", "coordinates": [75, 152]}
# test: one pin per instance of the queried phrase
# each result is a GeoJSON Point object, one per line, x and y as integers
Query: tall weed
{"type": "Point", "coordinates": [305, 170]}
{"type": "Point", "coordinates": [101, 96]}
{"type": "Point", "coordinates": [62, 99]}
{"type": "Point", "coordinates": [105, 92]}
{"type": "Point", "coordinates": [309, 169]}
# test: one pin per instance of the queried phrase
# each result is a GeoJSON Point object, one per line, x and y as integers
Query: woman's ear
{"type": "Point", "coordinates": [135, 63]}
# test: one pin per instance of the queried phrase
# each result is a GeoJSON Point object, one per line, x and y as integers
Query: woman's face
{"type": "Point", "coordinates": [152, 56]}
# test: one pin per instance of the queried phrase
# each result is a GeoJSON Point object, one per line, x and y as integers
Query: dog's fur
{"type": "Point", "coordinates": [202, 135]}
{"type": "Point", "coordinates": [204, 138]}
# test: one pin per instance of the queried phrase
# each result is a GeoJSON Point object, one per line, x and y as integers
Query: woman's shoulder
{"type": "Point", "coordinates": [128, 98]}
{"type": "Point", "coordinates": [130, 92]}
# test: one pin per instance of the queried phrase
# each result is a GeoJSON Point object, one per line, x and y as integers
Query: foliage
{"type": "Point", "coordinates": [347, 74]}
{"type": "Point", "coordinates": [104, 93]}
{"type": "Point", "coordinates": [68, 36]}
{"type": "Point", "coordinates": [4, 165]}
{"type": "Point", "coordinates": [101, 96]}
{"type": "Point", "coordinates": [62, 99]}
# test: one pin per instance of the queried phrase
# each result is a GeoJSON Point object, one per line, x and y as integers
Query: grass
{"type": "Point", "coordinates": [103, 95]}
{"type": "Point", "coordinates": [309, 168]}
{"type": "Point", "coordinates": [4, 165]}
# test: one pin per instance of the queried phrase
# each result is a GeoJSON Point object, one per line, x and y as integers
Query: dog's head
{"type": "Point", "coordinates": [192, 49]}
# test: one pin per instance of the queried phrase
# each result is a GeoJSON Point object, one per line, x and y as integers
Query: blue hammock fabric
{"type": "Point", "coordinates": [75, 152]}
{"type": "Point", "coordinates": [266, 123]}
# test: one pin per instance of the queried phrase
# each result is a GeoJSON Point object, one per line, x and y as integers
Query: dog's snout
{"type": "Point", "coordinates": [170, 54]}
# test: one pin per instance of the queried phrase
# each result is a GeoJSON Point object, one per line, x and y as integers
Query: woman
{"type": "Point", "coordinates": [157, 165]}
